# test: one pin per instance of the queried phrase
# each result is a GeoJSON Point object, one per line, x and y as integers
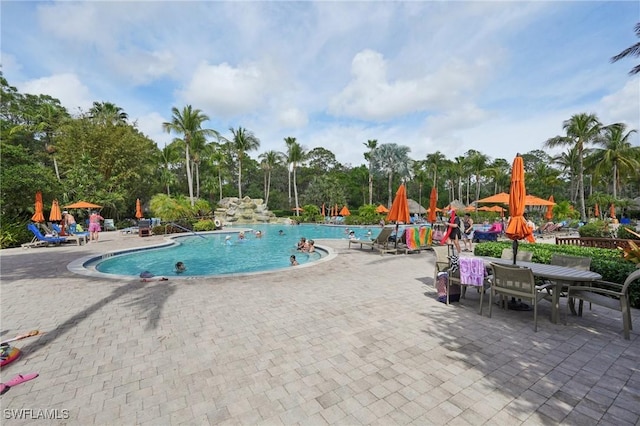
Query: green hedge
{"type": "Point", "coordinates": [606, 262]}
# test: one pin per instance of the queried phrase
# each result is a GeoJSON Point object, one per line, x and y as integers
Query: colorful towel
{"type": "Point", "coordinates": [412, 238]}
{"type": "Point", "coordinates": [425, 236]}
{"type": "Point", "coordinates": [472, 271]}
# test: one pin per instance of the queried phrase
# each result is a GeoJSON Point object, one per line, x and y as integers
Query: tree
{"type": "Point", "coordinates": [108, 113]}
{"type": "Point", "coordinates": [371, 145]}
{"type": "Point", "coordinates": [477, 164]}
{"type": "Point", "coordinates": [616, 154]}
{"type": "Point", "coordinates": [289, 141]}
{"type": "Point", "coordinates": [630, 51]}
{"type": "Point", "coordinates": [296, 156]}
{"type": "Point", "coordinates": [580, 130]}
{"type": "Point", "coordinates": [269, 161]}
{"type": "Point", "coordinates": [433, 163]}
{"type": "Point", "coordinates": [243, 140]}
{"type": "Point", "coordinates": [188, 123]}
{"type": "Point", "coordinates": [390, 159]}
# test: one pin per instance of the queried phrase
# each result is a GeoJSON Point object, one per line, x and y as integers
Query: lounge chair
{"type": "Point", "coordinates": [77, 236]}
{"type": "Point", "coordinates": [42, 239]}
{"type": "Point", "coordinates": [381, 242]}
{"type": "Point", "coordinates": [144, 228]}
{"type": "Point", "coordinates": [415, 239]}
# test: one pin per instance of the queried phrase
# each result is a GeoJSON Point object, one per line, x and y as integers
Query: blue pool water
{"type": "Point", "coordinates": [207, 254]}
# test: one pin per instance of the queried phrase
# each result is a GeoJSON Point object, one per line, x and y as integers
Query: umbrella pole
{"type": "Point", "coordinates": [396, 234]}
{"type": "Point", "coordinates": [514, 245]}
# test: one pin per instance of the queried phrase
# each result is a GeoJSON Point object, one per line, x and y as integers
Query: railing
{"type": "Point", "coordinates": [608, 243]}
{"type": "Point", "coordinates": [181, 227]}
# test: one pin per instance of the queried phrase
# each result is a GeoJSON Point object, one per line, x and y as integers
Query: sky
{"type": "Point", "coordinates": [498, 77]}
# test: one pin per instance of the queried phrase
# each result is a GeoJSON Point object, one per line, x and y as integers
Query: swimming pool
{"type": "Point", "coordinates": [207, 254]}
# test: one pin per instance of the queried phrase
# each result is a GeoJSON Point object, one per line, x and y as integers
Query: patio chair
{"type": "Point", "coordinates": [442, 259]}
{"type": "Point", "coordinates": [516, 281]}
{"type": "Point", "coordinates": [144, 228]}
{"type": "Point", "coordinates": [576, 262]}
{"type": "Point", "coordinates": [43, 239]}
{"type": "Point", "coordinates": [78, 236]}
{"type": "Point", "coordinates": [381, 242]}
{"type": "Point", "coordinates": [609, 295]}
{"type": "Point", "coordinates": [523, 255]}
{"type": "Point", "coordinates": [109, 225]}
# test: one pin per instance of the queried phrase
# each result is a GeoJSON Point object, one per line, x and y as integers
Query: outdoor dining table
{"type": "Point", "coordinates": [559, 275]}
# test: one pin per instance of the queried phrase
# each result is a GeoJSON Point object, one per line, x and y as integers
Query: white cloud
{"type": "Point", "coordinates": [151, 125]}
{"type": "Point", "coordinates": [292, 118]}
{"type": "Point", "coordinates": [68, 88]}
{"type": "Point", "coordinates": [623, 105]}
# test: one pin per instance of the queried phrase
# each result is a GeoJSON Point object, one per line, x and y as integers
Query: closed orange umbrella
{"type": "Point", "coordinates": [345, 211]}
{"type": "Point", "coordinates": [433, 202]}
{"type": "Point", "coordinates": [399, 209]}
{"type": "Point", "coordinates": [382, 209]}
{"type": "Point", "coordinates": [612, 211]}
{"type": "Point", "coordinates": [518, 229]}
{"type": "Point", "coordinates": [549, 214]}
{"type": "Point", "coordinates": [38, 216]}
{"type": "Point", "coordinates": [596, 212]}
{"type": "Point", "coordinates": [55, 215]}
{"type": "Point", "coordinates": [139, 214]}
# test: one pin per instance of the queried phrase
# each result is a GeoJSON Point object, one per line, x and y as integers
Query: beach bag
{"type": "Point", "coordinates": [441, 288]}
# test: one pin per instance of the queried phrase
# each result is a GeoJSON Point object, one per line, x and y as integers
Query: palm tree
{"type": "Point", "coordinates": [581, 129]}
{"type": "Point", "coordinates": [568, 162]}
{"type": "Point", "coordinates": [617, 154]}
{"type": "Point", "coordinates": [243, 141]}
{"type": "Point", "coordinates": [631, 51]}
{"type": "Point", "coordinates": [168, 155]}
{"type": "Point", "coordinates": [433, 162]}
{"type": "Point", "coordinates": [289, 141]}
{"type": "Point", "coordinates": [108, 113]}
{"type": "Point", "coordinates": [269, 160]}
{"type": "Point", "coordinates": [499, 172]}
{"type": "Point", "coordinates": [296, 155]}
{"type": "Point", "coordinates": [477, 165]}
{"type": "Point", "coordinates": [188, 122]}
{"type": "Point", "coordinates": [371, 145]}
{"type": "Point", "coordinates": [390, 159]}
{"type": "Point", "coordinates": [419, 174]}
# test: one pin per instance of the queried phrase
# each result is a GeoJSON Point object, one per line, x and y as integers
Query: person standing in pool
{"type": "Point", "coordinates": [180, 267]}
{"type": "Point", "coordinates": [293, 260]}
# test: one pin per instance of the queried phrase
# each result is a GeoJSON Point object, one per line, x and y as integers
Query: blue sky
{"type": "Point", "coordinates": [499, 77]}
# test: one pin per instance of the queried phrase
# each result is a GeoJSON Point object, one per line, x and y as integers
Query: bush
{"type": "Point", "coordinates": [14, 232]}
{"type": "Point", "coordinates": [595, 229]}
{"type": "Point", "coordinates": [204, 225]}
{"type": "Point", "coordinates": [606, 262]}
{"type": "Point", "coordinates": [624, 234]}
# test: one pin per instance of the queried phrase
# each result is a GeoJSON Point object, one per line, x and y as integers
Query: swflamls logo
{"type": "Point", "coordinates": [36, 414]}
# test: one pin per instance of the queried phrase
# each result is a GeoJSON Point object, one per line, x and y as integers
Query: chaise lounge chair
{"type": "Point", "coordinates": [381, 242]}
{"type": "Point", "coordinates": [77, 236]}
{"type": "Point", "coordinates": [41, 240]}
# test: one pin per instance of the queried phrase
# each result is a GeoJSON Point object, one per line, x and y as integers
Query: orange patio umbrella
{"type": "Point", "coordinates": [517, 229]}
{"type": "Point", "coordinates": [382, 209]}
{"type": "Point", "coordinates": [38, 216]}
{"type": "Point", "coordinates": [503, 198]}
{"type": "Point", "coordinates": [549, 214]}
{"type": "Point", "coordinates": [55, 215]}
{"type": "Point", "coordinates": [532, 200]}
{"type": "Point", "coordinates": [399, 209]}
{"type": "Point", "coordinates": [596, 212]}
{"type": "Point", "coordinates": [83, 205]}
{"type": "Point", "coordinates": [612, 211]}
{"type": "Point", "coordinates": [470, 209]}
{"type": "Point", "coordinates": [433, 202]}
{"type": "Point", "coordinates": [139, 214]}
{"type": "Point", "coordinates": [345, 211]}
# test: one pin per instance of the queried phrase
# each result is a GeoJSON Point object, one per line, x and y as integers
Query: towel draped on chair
{"type": "Point", "coordinates": [472, 271]}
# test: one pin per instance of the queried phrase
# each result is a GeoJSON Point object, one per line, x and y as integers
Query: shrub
{"type": "Point", "coordinates": [623, 233]}
{"type": "Point", "coordinates": [595, 229]}
{"type": "Point", "coordinates": [14, 232]}
{"type": "Point", "coordinates": [204, 225]}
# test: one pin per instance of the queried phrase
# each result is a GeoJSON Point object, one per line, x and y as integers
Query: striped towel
{"type": "Point", "coordinates": [412, 238]}
{"type": "Point", "coordinates": [472, 271]}
{"type": "Point", "coordinates": [425, 236]}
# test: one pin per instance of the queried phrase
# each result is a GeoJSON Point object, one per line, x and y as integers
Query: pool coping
{"type": "Point", "coordinates": [79, 266]}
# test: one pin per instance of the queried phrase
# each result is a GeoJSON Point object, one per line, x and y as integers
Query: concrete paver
{"type": "Point", "coordinates": [359, 339]}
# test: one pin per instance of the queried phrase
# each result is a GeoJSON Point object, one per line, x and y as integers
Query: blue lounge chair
{"type": "Point", "coordinates": [42, 238]}
{"type": "Point", "coordinates": [78, 236]}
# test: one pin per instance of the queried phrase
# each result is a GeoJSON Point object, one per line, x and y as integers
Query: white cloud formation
{"type": "Point", "coordinates": [151, 125]}
{"type": "Point", "coordinates": [623, 105]}
{"type": "Point", "coordinates": [68, 88]}
{"type": "Point", "coordinates": [292, 118]}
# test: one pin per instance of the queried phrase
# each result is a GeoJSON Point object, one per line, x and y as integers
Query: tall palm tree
{"type": "Point", "coordinates": [390, 159]}
{"type": "Point", "coordinates": [296, 156]}
{"type": "Point", "coordinates": [631, 51]}
{"type": "Point", "coordinates": [289, 141]}
{"type": "Point", "coordinates": [617, 154]}
{"type": "Point", "coordinates": [580, 130]}
{"type": "Point", "coordinates": [243, 141]}
{"type": "Point", "coordinates": [568, 162]}
{"type": "Point", "coordinates": [108, 113]}
{"type": "Point", "coordinates": [499, 172]}
{"type": "Point", "coordinates": [168, 156]}
{"type": "Point", "coordinates": [371, 145]}
{"type": "Point", "coordinates": [477, 164]}
{"type": "Point", "coordinates": [269, 160]}
{"type": "Point", "coordinates": [433, 162]}
{"type": "Point", "coordinates": [188, 123]}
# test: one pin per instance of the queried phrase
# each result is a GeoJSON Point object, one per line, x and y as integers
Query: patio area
{"type": "Point", "coordinates": [359, 339]}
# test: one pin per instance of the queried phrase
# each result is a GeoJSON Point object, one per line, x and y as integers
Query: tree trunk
{"type": "Point", "coordinates": [197, 167]}
{"type": "Point", "coordinates": [220, 181]}
{"type": "Point", "coordinates": [389, 188]}
{"type": "Point", "coordinates": [189, 177]}
{"type": "Point", "coordinates": [583, 213]}
{"type": "Point", "coordinates": [289, 171]}
{"type": "Point", "coordinates": [615, 180]}
{"type": "Point", "coordinates": [240, 177]}
{"type": "Point", "coordinates": [370, 187]}
{"type": "Point", "coordinates": [55, 166]}
{"type": "Point", "coordinates": [295, 190]}
{"type": "Point", "coordinates": [266, 203]}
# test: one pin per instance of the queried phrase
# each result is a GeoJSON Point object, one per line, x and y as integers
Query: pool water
{"type": "Point", "coordinates": [208, 254]}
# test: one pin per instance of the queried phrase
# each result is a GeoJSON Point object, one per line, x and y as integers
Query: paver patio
{"type": "Point", "coordinates": [359, 339]}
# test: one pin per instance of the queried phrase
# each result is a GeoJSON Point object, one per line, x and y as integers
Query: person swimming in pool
{"type": "Point", "coordinates": [227, 240]}
{"type": "Point", "coordinates": [293, 260]}
{"type": "Point", "coordinates": [180, 267]}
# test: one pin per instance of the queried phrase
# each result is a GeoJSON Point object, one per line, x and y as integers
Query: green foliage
{"type": "Point", "coordinates": [597, 229]}
{"type": "Point", "coordinates": [623, 233]}
{"type": "Point", "coordinates": [311, 213]}
{"type": "Point", "coordinates": [608, 263]}
{"type": "Point", "coordinates": [171, 209]}
{"type": "Point", "coordinates": [368, 214]}
{"type": "Point", "coordinates": [14, 232]}
{"type": "Point", "coordinates": [204, 225]}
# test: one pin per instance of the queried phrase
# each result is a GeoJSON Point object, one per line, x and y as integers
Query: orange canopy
{"type": "Point", "coordinates": [345, 211]}
{"type": "Point", "coordinates": [83, 205]}
{"type": "Point", "coordinates": [530, 200]}
{"type": "Point", "coordinates": [55, 215]}
{"type": "Point", "coordinates": [518, 229]}
{"type": "Point", "coordinates": [139, 214]}
{"type": "Point", "coordinates": [612, 211]}
{"type": "Point", "coordinates": [433, 202]}
{"type": "Point", "coordinates": [549, 214]}
{"type": "Point", "coordinates": [38, 216]}
{"type": "Point", "coordinates": [400, 208]}
{"type": "Point", "coordinates": [382, 209]}
{"type": "Point", "coordinates": [470, 209]}
{"type": "Point", "coordinates": [596, 212]}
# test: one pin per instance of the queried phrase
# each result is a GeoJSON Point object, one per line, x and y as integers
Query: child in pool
{"type": "Point", "coordinates": [293, 260]}
{"type": "Point", "coordinates": [180, 267]}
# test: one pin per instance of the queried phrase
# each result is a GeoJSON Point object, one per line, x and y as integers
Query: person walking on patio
{"type": "Point", "coordinates": [94, 225]}
{"type": "Point", "coordinates": [467, 232]}
{"type": "Point", "coordinates": [453, 231]}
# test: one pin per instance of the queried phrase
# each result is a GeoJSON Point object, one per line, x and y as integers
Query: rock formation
{"type": "Point", "coordinates": [236, 211]}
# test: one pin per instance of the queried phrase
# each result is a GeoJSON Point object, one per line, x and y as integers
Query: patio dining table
{"type": "Point", "coordinates": [559, 275]}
